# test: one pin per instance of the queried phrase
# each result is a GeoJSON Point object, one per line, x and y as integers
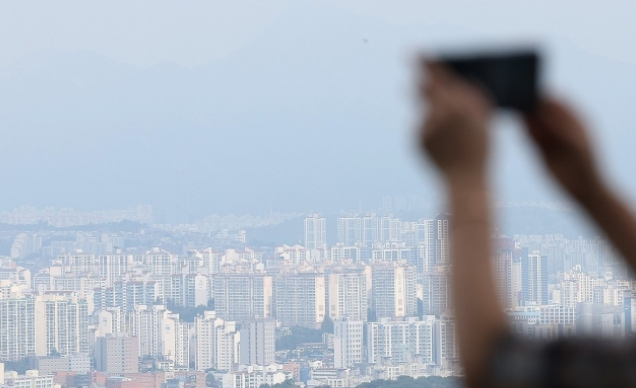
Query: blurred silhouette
{"type": "Point", "coordinates": [455, 137]}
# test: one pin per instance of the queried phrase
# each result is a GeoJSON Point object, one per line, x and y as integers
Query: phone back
{"type": "Point", "coordinates": [511, 78]}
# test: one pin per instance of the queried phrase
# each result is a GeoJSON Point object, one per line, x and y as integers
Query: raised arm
{"type": "Point", "coordinates": [455, 136]}
{"type": "Point", "coordinates": [563, 142]}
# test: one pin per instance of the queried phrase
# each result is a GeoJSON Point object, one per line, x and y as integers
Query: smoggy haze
{"type": "Point", "coordinates": [290, 106]}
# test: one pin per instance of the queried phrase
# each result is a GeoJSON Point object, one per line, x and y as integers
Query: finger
{"type": "Point", "coordinates": [427, 82]}
{"type": "Point", "coordinates": [435, 92]}
{"type": "Point", "coordinates": [549, 134]}
{"type": "Point", "coordinates": [561, 123]}
{"type": "Point", "coordinates": [442, 99]}
{"type": "Point", "coordinates": [440, 78]}
{"type": "Point", "coordinates": [431, 129]}
{"type": "Point", "coordinates": [533, 128]}
{"type": "Point", "coordinates": [437, 71]}
{"type": "Point", "coordinates": [436, 114]}
{"type": "Point", "coordinates": [431, 90]}
{"type": "Point", "coordinates": [543, 119]}
{"type": "Point", "coordinates": [472, 95]}
{"type": "Point", "coordinates": [428, 64]}
{"type": "Point", "coordinates": [441, 74]}
{"type": "Point", "coordinates": [540, 126]}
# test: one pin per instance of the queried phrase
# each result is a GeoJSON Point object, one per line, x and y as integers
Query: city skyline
{"type": "Point", "coordinates": [216, 195]}
{"type": "Point", "coordinates": [372, 299]}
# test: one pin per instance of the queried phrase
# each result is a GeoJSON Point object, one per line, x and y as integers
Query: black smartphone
{"type": "Point", "coordinates": [511, 77]}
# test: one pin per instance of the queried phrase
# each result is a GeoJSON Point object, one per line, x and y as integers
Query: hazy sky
{"type": "Point", "coordinates": [243, 106]}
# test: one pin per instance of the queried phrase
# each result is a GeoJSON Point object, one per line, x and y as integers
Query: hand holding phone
{"type": "Point", "coordinates": [511, 78]}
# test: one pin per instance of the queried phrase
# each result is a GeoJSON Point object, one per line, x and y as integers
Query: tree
{"type": "Point", "coordinates": [186, 314]}
{"type": "Point", "coordinates": [299, 335]}
{"type": "Point", "coordinates": [285, 384]}
{"type": "Point", "coordinates": [404, 379]}
{"type": "Point", "coordinates": [327, 325]}
{"type": "Point", "coordinates": [289, 383]}
{"type": "Point", "coordinates": [210, 380]}
{"type": "Point", "coordinates": [20, 366]}
{"type": "Point", "coordinates": [420, 382]}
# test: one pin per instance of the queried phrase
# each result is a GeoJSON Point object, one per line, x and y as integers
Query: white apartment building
{"type": "Point", "coordinates": [390, 229]}
{"type": "Point", "coordinates": [107, 322]}
{"type": "Point", "coordinates": [65, 318]}
{"type": "Point", "coordinates": [108, 267]}
{"type": "Point", "coordinates": [241, 297]}
{"type": "Point", "coordinates": [18, 338]}
{"type": "Point", "coordinates": [396, 342]}
{"type": "Point", "coordinates": [392, 252]}
{"type": "Point", "coordinates": [507, 267]}
{"type": "Point", "coordinates": [315, 232]}
{"type": "Point", "coordinates": [14, 274]}
{"type": "Point", "coordinates": [117, 354]}
{"type": "Point", "coordinates": [446, 353]}
{"type": "Point", "coordinates": [300, 299]}
{"type": "Point", "coordinates": [79, 263]}
{"type": "Point", "coordinates": [253, 376]}
{"type": "Point", "coordinates": [436, 291]}
{"type": "Point", "coordinates": [340, 253]}
{"type": "Point", "coordinates": [126, 294]}
{"type": "Point", "coordinates": [112, 267]}
{"type": "Point", "coordinates": [348, 291]}
{"type": "Point", "coordinates": [557, 315]}
{"type": "Point", "coordinates": [83, 287]}
{"type": "Point", "coordinates": [441, 239]}
{"type": "Point", "coordinates": [578, 287]}
{"type": "Point", "coordinates": [370, 229]}
{"type": "Point", "coordinates": [210, 261]}
{"type": "Point", "coordinates": [534, 285]}
{"type": "Point", "coordinates": [248, 255]}
{"type": "Point", "coordinates": [294, 254]}
{"type": "Point", "coordinates": [347, 342]}
{"type": "Point", "coordinates": [430, 240]}
{"type": "Point", "coordinates": [568, 294]}
{"type": "Point", "coordinates": [217, 342]}
{"type": "Point", "coordinates": [184, 334]}
{"type": "Point", "coordinates": [160, 333]}
{"type": "Point", "coordinates": [31, 379]}
{"type": "Point", "coordinates": [196, 290]}
{"type": "Point", "coordinates": [10, 289]}
{"type": "Point", "coordinates": [258, 342]}
{"type": "Point", "coordinates": [350, 230]}
{"type": "Point", "coordinates": [393, 290]}
{"type": "Point", "coordinates": [160, 262]}
{"type": "Point", "coordinates": [80, 363]}
{"type": "Point", "coordinates": [25, 244]}
{"type": "Point", "coordinates": [43, 325]}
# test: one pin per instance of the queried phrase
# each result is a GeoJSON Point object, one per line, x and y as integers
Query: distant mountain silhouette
{"type": "Point", "coordinates": [316, 119]}
{"type": "Point", "coordinates": [290, 122]}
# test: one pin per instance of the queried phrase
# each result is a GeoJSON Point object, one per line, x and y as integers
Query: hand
{"type": "Point", "coordinates": [562, 140]}
{"type": "Point", "coordinates": [455, 131]}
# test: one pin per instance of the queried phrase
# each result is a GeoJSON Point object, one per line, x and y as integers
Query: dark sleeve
{"type": "Point", "coordinates": [565, 363]}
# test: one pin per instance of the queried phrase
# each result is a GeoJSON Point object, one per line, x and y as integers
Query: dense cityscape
{"type": "Point", "coordinates": [109, 299]}
{"type": "Point", "coordinates": [317, 194]}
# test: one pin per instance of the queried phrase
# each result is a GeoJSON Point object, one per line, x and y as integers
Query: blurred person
{"type": "Point", "coordinates": [455, 135]}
